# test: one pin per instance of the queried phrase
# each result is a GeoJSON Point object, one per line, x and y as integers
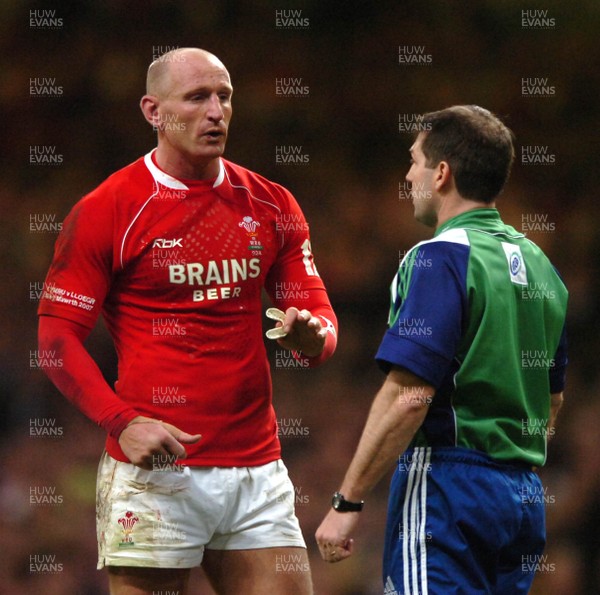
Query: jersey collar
{"type": "Point", "coordinates": [169, 181]}
{"type": "Point", "coordinates": [476, 218]}
{"type": "Point", "coordinates": [486, 220]}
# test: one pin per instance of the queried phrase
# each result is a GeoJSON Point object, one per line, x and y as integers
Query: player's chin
{"type": "Point", "coordinates": [211, 149]}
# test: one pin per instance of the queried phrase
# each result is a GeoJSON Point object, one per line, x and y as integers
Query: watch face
{"type": "Point", "coordinates": [339, 503]}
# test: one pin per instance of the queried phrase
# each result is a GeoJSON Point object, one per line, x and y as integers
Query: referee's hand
{"type": "Point", "coordinates": [145, 440]}
{"type": "Point", "coordinates": [333, 535]}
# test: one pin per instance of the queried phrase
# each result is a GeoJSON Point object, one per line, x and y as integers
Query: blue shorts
{"type": "Point", "coordinates": [461, 524]}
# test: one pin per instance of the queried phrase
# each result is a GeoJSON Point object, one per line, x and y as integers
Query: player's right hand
{"type": "Point", "coordinates": [145, 439]}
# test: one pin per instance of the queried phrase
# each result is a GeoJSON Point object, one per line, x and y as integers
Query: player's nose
{"type": "Point", "coordinates": [215, 109]}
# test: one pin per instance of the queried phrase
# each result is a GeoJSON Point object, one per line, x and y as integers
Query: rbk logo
{"type": "Point", "coordinates": [162, 243]}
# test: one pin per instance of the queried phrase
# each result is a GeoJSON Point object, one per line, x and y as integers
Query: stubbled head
{"type": "Point", "coordinates": [164, 72]}
{"type": "Point", "coordinates": [188, 102]}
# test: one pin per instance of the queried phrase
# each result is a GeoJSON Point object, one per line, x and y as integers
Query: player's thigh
{"type": "Point", "coordinates": [125, 580]}
{"type": "Point", "coordinates": [276, 571]}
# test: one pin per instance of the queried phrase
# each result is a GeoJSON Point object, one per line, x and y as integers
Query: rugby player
{"type": "Point", "coordinates": [174, 250]}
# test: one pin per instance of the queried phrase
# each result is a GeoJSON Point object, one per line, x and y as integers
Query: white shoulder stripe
{"type": "Point", "coordinates": [134, 220]}
{"type": "Point", "coordinates": [250, 193]}
{"type": "Point", "coordinates": [160, 177]}
{"type": "Point", "coordinates": [240, 187]}
{"type": "Point", "coordinates": [456, 236]}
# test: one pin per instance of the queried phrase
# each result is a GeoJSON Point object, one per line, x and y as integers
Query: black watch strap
{"type": "Point", "coordinates": [339, 503]}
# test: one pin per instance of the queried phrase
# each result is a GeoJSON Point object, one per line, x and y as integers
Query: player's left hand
{"type": "Point", "coordinates": [333, 535]}
{"type": "Point", "coordinates": [305, 332]}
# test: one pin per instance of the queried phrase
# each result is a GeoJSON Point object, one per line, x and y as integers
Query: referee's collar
{"type": "Point", "coordinates": [480, 217]}
{"type": "Point", "coordinates": [169, 181]}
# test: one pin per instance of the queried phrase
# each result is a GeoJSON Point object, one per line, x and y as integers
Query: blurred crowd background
{"type": "Point", "coordinates": [347, 55]}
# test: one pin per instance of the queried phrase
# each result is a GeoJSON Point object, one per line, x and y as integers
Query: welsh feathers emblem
{"type": "Point", "coordinates": [249, 224]}
{"type": "Point", "coordinates": [127, 522]}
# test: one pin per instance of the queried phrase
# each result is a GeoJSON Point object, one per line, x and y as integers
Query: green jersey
{"type": "Point", "coordinates": [478, 312]}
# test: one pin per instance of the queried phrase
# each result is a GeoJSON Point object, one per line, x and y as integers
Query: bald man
{"type": "Point", "coordinates": [174, 250]}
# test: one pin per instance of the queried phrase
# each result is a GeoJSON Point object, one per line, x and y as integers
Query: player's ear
{"type": "Point", "coordinates": [149, 106]}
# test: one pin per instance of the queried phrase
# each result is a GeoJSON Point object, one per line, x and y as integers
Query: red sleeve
{"type": "Point", "coordinates": [74, 291]}
{"type": "Point", "coordinates": [294, 280]}
{"type": "Point", "coordinates": [80, 274]}
{"type": "Point", "coordinates": [78, 376]}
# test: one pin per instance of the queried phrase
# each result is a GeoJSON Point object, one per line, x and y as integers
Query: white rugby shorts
{"type": "Point", "coordinates": [166, 517]}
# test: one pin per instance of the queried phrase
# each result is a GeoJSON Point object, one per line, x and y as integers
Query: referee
{"type": "Point", "coordinates": [475, 356]}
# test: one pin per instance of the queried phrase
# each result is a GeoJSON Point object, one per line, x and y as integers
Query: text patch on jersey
{"type": "Point", "coordinates": [214, 272]}
{"type": "Point", "coordinates": [221, 279]}
{"type": "Point", "coordinates": [516, 263]}
{"type": "Point", "coordinates": [164, 243]}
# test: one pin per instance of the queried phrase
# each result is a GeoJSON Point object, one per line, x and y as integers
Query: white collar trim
{"type": "Point", "coordinates": [169, 181]}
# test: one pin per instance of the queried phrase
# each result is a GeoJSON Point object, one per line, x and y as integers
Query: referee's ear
{"type": "Point", "coordinates": [443, 176]}
{"type": "Point", "coordinates": [149, 106]}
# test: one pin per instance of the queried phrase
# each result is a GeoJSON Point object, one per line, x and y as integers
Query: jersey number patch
{"type": "Point", "coordinates": [307, 259]}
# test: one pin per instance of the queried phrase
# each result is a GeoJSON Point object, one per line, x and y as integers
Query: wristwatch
{"type": "Point", "coordinates": [339, 503]}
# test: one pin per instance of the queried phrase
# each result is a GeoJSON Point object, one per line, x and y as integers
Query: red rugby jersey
{"type": "Point", "coordinates": [177, 268]}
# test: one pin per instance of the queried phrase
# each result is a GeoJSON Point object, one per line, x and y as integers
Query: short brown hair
{"type": "Point", "coordinates": [477, 146]}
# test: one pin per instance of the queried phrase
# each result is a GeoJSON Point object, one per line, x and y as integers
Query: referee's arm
{"type": "Point", "coordinates": [398, 411]}
{"type": "Point", "coordinates": [556, 401]}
